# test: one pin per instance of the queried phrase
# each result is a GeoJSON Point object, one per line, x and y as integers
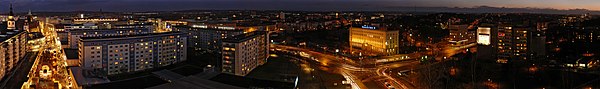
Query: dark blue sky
{"type": "Point", "coordinates": [153, 5]}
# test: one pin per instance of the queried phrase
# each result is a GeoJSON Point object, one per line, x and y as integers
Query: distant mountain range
{"type": "Point", "coordinates": [178, 5]}
{"type": "Point", "coordinates": [489, 9]}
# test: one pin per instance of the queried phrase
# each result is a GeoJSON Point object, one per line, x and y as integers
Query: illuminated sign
{"type": "Point", "coordinates": [226, 28]}
{"type": "Point", "coordinates": [484, 30]}
{"type": "Point", "coordinates": [199, 26]}
{"type": "Point", "coordinates": [483, 39]}
{"type": "Point", "coordinates": [368, 27]}
{"type": "Point", "coordinates": [500, 34]}
{"type": "Point", "coordinates": [483, 35]}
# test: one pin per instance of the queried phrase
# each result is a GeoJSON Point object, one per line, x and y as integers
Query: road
{"type": "Point", "coordinates": [354, 72]}
{"type": "Point", "coordinates": [383, 70]}
{"type": "Point", "coordinates": [49, 69]}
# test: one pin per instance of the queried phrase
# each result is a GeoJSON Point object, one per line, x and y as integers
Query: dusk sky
{"type": "Point", "coordinates": [152, 5]}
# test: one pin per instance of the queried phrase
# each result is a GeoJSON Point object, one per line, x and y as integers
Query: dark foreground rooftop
{"type": "Point", "coordinates": [251, 82]}
{"type": "Point", "coordinates": [137, 83]}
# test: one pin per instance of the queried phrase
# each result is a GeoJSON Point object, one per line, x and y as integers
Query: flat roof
{"type": "Point", "coordinates": [372, 28]}
{"type": "Point", "coordinates": [209, 28]}
{"type": "Point", "coordinates": [35, 35]}
{"type": "Point", "coordinates": [193, 82]}
{"type": "Point", "coordinates": [136, 83]}
{"type": "Point", "coordinates": [244, 37]}
{"type": "Point", "coordinates": [82, 80]}
{"type": "Point", "coordinates": [113, 29]}
{"type": "Point", "coordinates": [247, 82]}
{"type": "Point", "coordinates": [71, 53]}
{"type": "Point", "coordinates": [9, 33]}
{"type": "Point", "coordinates": [129, 36]}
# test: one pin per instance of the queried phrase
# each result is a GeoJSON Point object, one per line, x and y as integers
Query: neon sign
{"type": "Point", "coordinates": [368, 27]}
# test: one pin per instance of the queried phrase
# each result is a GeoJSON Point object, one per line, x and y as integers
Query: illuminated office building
{"type": "Point", "coordinates": [374, 39]}
{"type": "Point", "coordinates": [242, 53]}
{"type": "Point", "coordinates": [485, 34]}
{"type": "Point", "coordinates": [130, 53]}
{"type": "Point", "coordinates": [486, 46]}
{"type": "Point", "coordinates": [94, 20]}
{"type": "Point", "coordinates": [245, 26]}
{"type": "Point", "coordinates": [460, 35]}
{"type": "Point", "coordinates": [79, 26]}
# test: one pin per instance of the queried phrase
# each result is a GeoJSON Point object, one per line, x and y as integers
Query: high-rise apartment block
{"type": "Point", "coordinates": [13, 45]}
{"type": "Point", "coordinates": [507, 42]}
{"type": "Point", "coordinates": [129, 53]}
{"type": "Point", "coordinates": [242, 53]}
{"type": "Point", "coordinates": [208, 39]}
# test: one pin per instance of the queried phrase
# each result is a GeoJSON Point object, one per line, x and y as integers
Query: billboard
{"type": "Point", "coordinates": [483, 35]}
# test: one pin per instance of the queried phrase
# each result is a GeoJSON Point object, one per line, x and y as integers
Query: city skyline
{"type": "Point", "coordinates": [294, 44]}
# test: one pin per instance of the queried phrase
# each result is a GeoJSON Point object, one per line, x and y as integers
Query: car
{"type": "Point", "coordinates": [388, 85]}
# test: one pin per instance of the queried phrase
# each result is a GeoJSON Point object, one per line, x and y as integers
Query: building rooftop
{"type": "Point", "coordinates": [137, 83]}
{"type": "Point", "coordinates": [244, 37]}
{"type": "Point", "coordinates": [145, 24]}
{"type": "Point", "coordinates": [35, 35]}
{"type": "Point", "coordinates": [252, 83]}
{"type": "Point", "coordinates": [372, 27]}
{"type": "Point", "coordinates": [209, 28]}
{"type": "Point", "coordinates": [8, 33]}
{"type": "Point", "coordinates": [78, 74]}
{"type": "Point", "coordinates": [59, 26]}
{"type": "Point", "coordinates": [71, 53]}
{"type": "Point", "coordinates": [195, 82]}
{"type": "Point", "coordinates": [255, 23]}
{"type": "Point", "coordinates": [128, 36]}
{"type": "Point", "coordinates": [112, 29]}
